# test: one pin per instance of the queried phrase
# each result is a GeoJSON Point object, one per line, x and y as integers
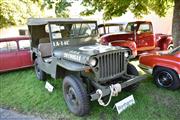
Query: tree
{"type": "Point", "coordinates": [60, 7]}
{"type": "Point", "coordinates": [176, 23]}
{"type": "Point", "coordinates": [114, 8]}
{"type": "Point", "coordinates": [15, 12]}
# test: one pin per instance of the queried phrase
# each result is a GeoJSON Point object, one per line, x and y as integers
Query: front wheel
{"type": "Point", "coordinates": [131, 70]}
{"type": "Point", "coordinates": [166, 77]}
{"type": "Point", "coordinates": [75, 96]}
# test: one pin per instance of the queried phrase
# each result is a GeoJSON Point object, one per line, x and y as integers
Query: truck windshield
{"type": "Point", "coordinates": [131, 27]}
{"type": "Point", "coordinates": [72, 34]}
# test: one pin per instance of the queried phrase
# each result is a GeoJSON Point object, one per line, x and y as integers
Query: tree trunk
{"type": "Point", "coordinates": [176, 23]}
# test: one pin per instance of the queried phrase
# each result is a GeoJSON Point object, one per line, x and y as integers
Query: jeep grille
{"type": "Point", "coordinates": [110, 65]}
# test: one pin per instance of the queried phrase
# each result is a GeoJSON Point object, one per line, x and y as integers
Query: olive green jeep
{"type": "Point", "coordinates": [68, 48]}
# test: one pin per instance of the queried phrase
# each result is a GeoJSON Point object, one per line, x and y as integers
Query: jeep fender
{"type": "Point", "coordinates": [59, 67]}
{"type": "Point", "coordinates": [72, 66]}
{"type": "Point", "coordinates": [65, 67]}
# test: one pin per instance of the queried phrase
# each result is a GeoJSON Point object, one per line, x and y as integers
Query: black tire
{"type": "Point", "coordinates": [131, 70]}
{"type": "Point", "coordinates": [166, 78]}
{"type": "Point", "coordinates": [75, 96]}
{"type": "Point", "coordinates": [41, 75]}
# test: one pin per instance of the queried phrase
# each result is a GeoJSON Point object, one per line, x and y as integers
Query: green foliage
{"type": "Point", "coordinates": [15, 12]}
{"type": "Point", "coordinates": [60, 7]}
{"type": "Point", "coordinates": [114, 8]}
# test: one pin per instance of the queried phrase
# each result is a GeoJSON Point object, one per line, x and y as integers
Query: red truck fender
{"type": "Point", "coordinates": [126, 43]}
{"type": "Point", "coordinates": [165, 43]}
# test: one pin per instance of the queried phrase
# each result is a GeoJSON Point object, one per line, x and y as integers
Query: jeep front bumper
{"type": "Point", "coordinates": [106, 91]}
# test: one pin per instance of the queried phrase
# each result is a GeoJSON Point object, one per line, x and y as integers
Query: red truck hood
{"type": "Point", "coordinates": [116, 36]}
{"type": "Point", "coordinates": [120, 33]}
{"type": "Point", "coordinates": [126, 43]}
{"type": "Point", "coordinates": [123, 39]}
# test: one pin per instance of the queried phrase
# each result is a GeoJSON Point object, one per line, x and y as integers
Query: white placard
{"type": "Point", "coordinates": [125, 103]}
{"type": "Point", "coordinates": [49, 87]}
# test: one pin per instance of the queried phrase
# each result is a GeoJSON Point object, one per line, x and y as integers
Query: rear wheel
{"type": "Point", "coordinates": [131, 70]}
{"type": "Point", "coordinates": [75, 96]}
{"type": "Point", "coordinates": [166, 77]}
{"type": "Point", "coordinates": [41, 75]}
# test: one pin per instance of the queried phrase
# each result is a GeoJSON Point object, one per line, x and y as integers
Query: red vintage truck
{"type": "Point", "coordinates": [139, 37]}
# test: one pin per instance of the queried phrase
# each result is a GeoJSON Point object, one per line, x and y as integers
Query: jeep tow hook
{"type": "Point", "coordinates": [114, 90]}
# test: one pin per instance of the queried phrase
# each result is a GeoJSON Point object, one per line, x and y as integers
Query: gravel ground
{"type": "Point", "coordinates": [12, 115]}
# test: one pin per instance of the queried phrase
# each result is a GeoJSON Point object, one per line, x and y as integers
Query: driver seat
{"type": "Point", "coordinates": [45, 50]}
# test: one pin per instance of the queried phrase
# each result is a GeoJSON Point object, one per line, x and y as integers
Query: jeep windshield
{"type": "Point", "coordinates": [72, 33]}
{"type": "Point", "coordinates": [62, 32]}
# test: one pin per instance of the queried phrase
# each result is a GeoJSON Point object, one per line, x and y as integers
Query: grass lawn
{"type": "Point", "coordinates": [21, 91]}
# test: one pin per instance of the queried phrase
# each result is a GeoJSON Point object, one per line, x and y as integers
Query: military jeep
{"type": "Point", "coordinates": [68, 48]}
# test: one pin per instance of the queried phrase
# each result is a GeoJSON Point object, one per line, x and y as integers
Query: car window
{"type": "Point", "coordinates": [114, 29]}
{"type": "Point", "coordinates": [8, 46]}
{"type": "Point", "coordinates": [24, 44]}
{"type": "Point", "coordinates": [110, 29]}
{"type": "Point", "coordinates": [145, 28]}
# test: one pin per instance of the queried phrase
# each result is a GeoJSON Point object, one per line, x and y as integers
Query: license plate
{"type": "Point", "coordinates": [124, 104]}
{"type": "Point", "coordinates": [49, 87]}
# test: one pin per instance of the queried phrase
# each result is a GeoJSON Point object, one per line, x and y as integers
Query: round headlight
{"type": "Point", "coordinates": [93, 62]}
{"type": "Point", "coordinates": [126, 54]}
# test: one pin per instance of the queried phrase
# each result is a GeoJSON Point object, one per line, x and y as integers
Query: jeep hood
{"type": "Point", "coordinates": [82, 54]}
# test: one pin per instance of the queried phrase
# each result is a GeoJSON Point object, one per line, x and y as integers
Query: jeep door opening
{"type": "Point", "coordinates": [68, 48]}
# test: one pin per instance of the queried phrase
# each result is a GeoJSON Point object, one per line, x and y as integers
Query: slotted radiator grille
{"type": "Point", "coordinates": [111, 65]}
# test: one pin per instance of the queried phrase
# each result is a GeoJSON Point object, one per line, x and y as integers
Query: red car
{"type": "Point", "coordinates": [15, 53]}
{"type": "Point", "coordinates": [165, 68]}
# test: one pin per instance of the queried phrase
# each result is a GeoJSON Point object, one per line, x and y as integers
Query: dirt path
{"type": "Point", "coordinates": [12, 115]}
